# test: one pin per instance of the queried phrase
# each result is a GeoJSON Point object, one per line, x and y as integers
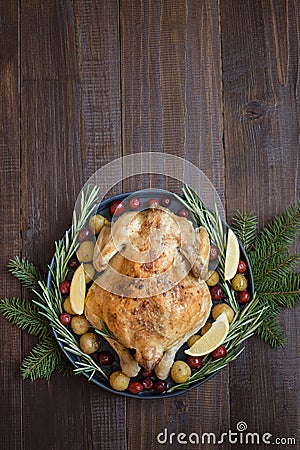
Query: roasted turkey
{"type": "Point", "coordinates": [151, 292]}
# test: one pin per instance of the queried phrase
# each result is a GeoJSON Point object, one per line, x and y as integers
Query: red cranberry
{"type": "Point", "coordinates": [153, 203]}
{"type": "Point", "coordinates": [134, 203]}
{"type": "Point", "coordinates": [243, 297]}
{"type": "Point", "coordinates": [105, 358]}
{"type": "Point", "coordinates": [213, 253]}
{"type": "Point", "coordinates": [183, 213]}
{"type": "Point", "coordinates": [166, 202]}
{"type": "Point", "coordinates": [147, 373]}
{"type": "Point", "coordinates": [65, 318]}
{"type": "Point", "coordinates": [117, 208]}
{"type": "Point", "coordinates": [217, 293]}
{"type": "Point", "coordinates": [64, 287]}
{"type": "Point", "coordinates": [160, 387]}
{"type": "Point", "coordinates": [147, 383]}
{"type": "Point", "coordinates": [219, 353]}
{"type": "Point", "coordinates": [84, 235]}
{"type": "Point", "coordinates": [73, 263]}
{"type": "Point", "coordinates": [135, 387]}
{"type": "Point", "coordinates": [241, 267]}
{"type": "Point", "coordinates": [194, 362]}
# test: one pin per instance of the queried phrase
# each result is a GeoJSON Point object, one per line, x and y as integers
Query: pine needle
{"type": "Point", "coordinates": [42, 360]}
{"type": "Point", "coordinates": [25, 315]}
{"type": "Point", "coordinates": [271, 332]}
{"type": "Point", "coordinates": [281, 231]}
{"type": "Point", "coordinates": [244, 226]}
{"type": "Point", "coordinates": [271, 261]}
{"type": "Point", "coordinates": [64, 366]}
{"type": "Point", "coordinates": [26, 272]}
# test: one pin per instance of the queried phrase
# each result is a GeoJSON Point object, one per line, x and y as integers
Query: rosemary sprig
{"type": "Point", "coordinates": [246, 321]}
{"type": "Point", "coordinates": [209, 366]}
{"type": "Point", "coordinates": [39, 315]}
{"type": "Point", "coordinates": [105, 331]}
{"type": "Point", "coordinates": [217, 233]}
{"type": "Point", "coordinates": [50, 299]}
{"type": "Point", "coordinates": [203, 215]}
{"type": "Point", "coordinates": [66, 247]}
{"type": "Point", "coordinates": [272, 263]}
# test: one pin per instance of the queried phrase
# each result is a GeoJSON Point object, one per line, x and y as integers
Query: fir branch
{"type": "Point", "coordinates": [281, 232]}
{"type": "Point", "coordinates": [272, 333]}
{"type": "Point", "coordinates": [244, 226]}
{"type": "Point", "coordinates": [64, 366]}
{"type": "Point", "coordinates": [271, 262]}
{"type": "Point", "coordinates": [26, 272]}
{"type": "Point", "coordinates": [42, 360]}
{"type": "Point", "coordinates": [284, 291]}
{"type": "Point", "coordinates": [25, 315]}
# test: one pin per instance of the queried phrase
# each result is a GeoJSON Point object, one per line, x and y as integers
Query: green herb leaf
{"type": "Point", "coordinates": [281, 232]}
{"type": "Point", "coordinates": [64, 366]}
{"type": "Point", "coordinates": [25, 315]}
{"type": "Point", "coordinates": [281, 265]}
{"type": "Point", "coordinates": [26, 272]}
{"type": "Point", "coordinates": [42, 360]}
{"type": "Point", "coordinates": [105, 331]}
{"type": "Point", "coordinates": [284, 292]}
{"type": "Point", "coordinates": [272, 333]}
{"type": "Point", "coordinates": [272, 264]}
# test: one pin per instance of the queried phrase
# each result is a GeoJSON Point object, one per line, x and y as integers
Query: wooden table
{"type": "Point", "coordinates": [85, 82]}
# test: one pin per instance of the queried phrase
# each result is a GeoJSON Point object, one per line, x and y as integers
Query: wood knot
{"type": "Point", "coordinates": [253, 110]}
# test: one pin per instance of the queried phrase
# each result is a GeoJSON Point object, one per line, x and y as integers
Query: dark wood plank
{"type": "Point", "coordinates": [50, 180]}
{"type": "Point", "coordinates": [171, 102]}
{"type": "Point", "coordinates": [71, 126]}
{"type": "Point", "coordinates": [260, 43]}
{"type": "Point", "coordinates": [10, 336]}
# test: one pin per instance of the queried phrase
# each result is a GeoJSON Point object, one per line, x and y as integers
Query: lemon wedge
{"type": "Point", "coordinates": [232, 255]}
{"type": "Point", "coordinates": [212, 339]}
{"type": "Point", "coordinates": [77, 290]}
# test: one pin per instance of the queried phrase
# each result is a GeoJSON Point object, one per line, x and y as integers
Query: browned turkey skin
{"type": "Point", "coordinates": [152, 307]}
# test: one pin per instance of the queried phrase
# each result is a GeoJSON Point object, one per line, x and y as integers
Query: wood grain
{"type": "Point", "coordinates": [261, 118]}
{"type": "Point", "coordinates": [67, 115]}
{"type": "Point", "coordinates": [10, 226]}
